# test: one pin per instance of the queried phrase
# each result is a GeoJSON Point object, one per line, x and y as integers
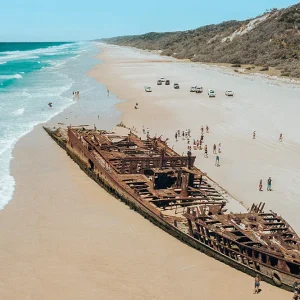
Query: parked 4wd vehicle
{"type": "Point", "coordinates": [229, 93]}
{"type": "Point", "coordinates": [176, 86]}
{"type": "Point", "coordinates": [167, 82]}
{"type": "Point", "coordinates": [211, 93]}
{"type": "Point", "coordinates": [148, 89]}
{"type": "Point", "coordinates": [193, 89]}
{"type": "Point", "coordinates": [159, 82]}
{"type": "Point", "coordinates": [198, 89]}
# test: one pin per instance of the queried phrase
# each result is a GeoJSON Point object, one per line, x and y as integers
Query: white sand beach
{"type": "Point", "coordinates": [64, 237]}
{"type": "Point", "coordinates": [269, 107]}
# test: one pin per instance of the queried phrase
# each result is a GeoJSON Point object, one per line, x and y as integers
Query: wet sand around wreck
{"type": "Point", "coordinates": [64, 237]}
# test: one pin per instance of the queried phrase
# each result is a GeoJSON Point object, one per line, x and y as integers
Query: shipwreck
{"type": "Point", "coordinates": [171, 192]}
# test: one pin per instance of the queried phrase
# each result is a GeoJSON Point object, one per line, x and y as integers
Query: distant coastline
{"type": "Point", "coordinates": [268, 44]}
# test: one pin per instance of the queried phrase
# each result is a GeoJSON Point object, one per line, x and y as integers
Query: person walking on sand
{"type": "Point", "coordinates": [254, 134]}
{"type": "Point", "coordinates": [256, 284]}
{"type": "Point", "coordinates": [217, 163]}
{"type": "Point", "coordinates": [207, 129]}
{"type": "Point", "coordinates": [202, 130]}
{"type": "Point", "coordinates": [195, 145]}
{"type": "Point", "coordinates": [215, 149]}
{"type": "Point", "coordinates": [280, 137]}
{"type": "Point", "coordinates": [205, 151]}
{"type": "Point", "coordinates": [200, 148]}
{"type": "Point", "coordinates": [219, 148]}
{"type": "Point", "coordinates": [260, 186]}
{"type": "Point", "coordinates": [269, 188]}
{"type": "Point", "coordinates": [144, 129]}
{"type": "Point", "coordinates": [176, 136]}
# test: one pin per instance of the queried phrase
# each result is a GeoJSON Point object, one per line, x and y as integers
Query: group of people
{"type": "Point", "coordinates": [146, 131]}
{"type": "Point", "coordinates": [185, 134]}
{"type": "Point", "coordinates": [279, 140]}
{"type": "Point", "coordinates": [76, 94]}
{"type": "Point", "coordinates": [269, 185]}
{"type": "Point", "coordinates": [197, 144]}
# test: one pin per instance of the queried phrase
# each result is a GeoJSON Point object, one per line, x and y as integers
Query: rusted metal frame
{"type": "Point", "coordinates": [261, 251]}
{"type": "Point", "coordinates": [187, 198]}
{"type": "Point", "coordinates": [253, 259]}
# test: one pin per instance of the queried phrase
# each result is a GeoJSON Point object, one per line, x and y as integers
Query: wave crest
{"type": "Point", "coordinates": [15, 76]}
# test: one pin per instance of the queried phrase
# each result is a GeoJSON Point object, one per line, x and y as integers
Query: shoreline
{"type": "Point", "coordinates": [64, 237]}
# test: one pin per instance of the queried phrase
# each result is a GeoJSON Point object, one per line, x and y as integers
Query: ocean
{"type": "Point", "coordinates": [31, 76]}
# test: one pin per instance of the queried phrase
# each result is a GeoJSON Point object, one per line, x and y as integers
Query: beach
{"type": "Point", "coordinates": [64, 237]}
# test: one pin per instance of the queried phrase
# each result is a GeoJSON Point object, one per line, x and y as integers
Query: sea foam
{"type": "Point", "coordinates": [15, 76]}
{"type": "Point", "coordinates": [19, 112]}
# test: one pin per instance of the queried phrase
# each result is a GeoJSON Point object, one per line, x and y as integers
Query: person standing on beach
{"type": "Point", "coordinates": [205, 152]}
{"type": "Point", "coordinates": [269, 188]}
{"type": "Point", "coordinates": [215, 149]}
{"type": "Point", "coordinates": [202, 130]}
{"type": "Point", "coordinates": [219, 148]}
{"type": "Point", "coordinates": [176, 136]}
{"type": "Point", "coordinates": [256, 284]}
{"type": "Point", "coordinates": [254, 134]}
{"type": "Point", "coordinates": [144, 129]}
{"type": "Point", "coordinates": [260, 186]}
{"type": "Point", "coordinates": [207, 129]}
{"type": "Point", "coordinates": [217, 163]}
{"type": "Point", "coordinates": [280, 137]}
{"type": "Point", "coordinates": [195, 145]}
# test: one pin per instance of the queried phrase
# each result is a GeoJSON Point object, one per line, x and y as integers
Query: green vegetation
{"type": "Point", "coordinates": [273, 41]}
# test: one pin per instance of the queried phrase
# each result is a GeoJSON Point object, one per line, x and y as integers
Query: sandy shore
{"type": "Point", "coordinates": [269, 107]}
{"type": "Point", "coordinates": [63, 237]}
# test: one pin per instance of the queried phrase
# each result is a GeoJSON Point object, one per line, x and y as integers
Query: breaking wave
{"type": "Point", "coordinates": [15, 76]}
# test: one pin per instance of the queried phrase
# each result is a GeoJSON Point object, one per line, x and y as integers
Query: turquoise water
{"type": "Point", "coordinates": [31, 76]}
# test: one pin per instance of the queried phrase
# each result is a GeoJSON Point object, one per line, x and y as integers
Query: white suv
{"type": "Point", "coordinates": [211, 93]}
{"type": "Point", "coordinates": [229, 93]}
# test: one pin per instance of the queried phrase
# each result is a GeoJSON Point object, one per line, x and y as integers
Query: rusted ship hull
{"type": "Point", "coordinates": [103, 177]}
